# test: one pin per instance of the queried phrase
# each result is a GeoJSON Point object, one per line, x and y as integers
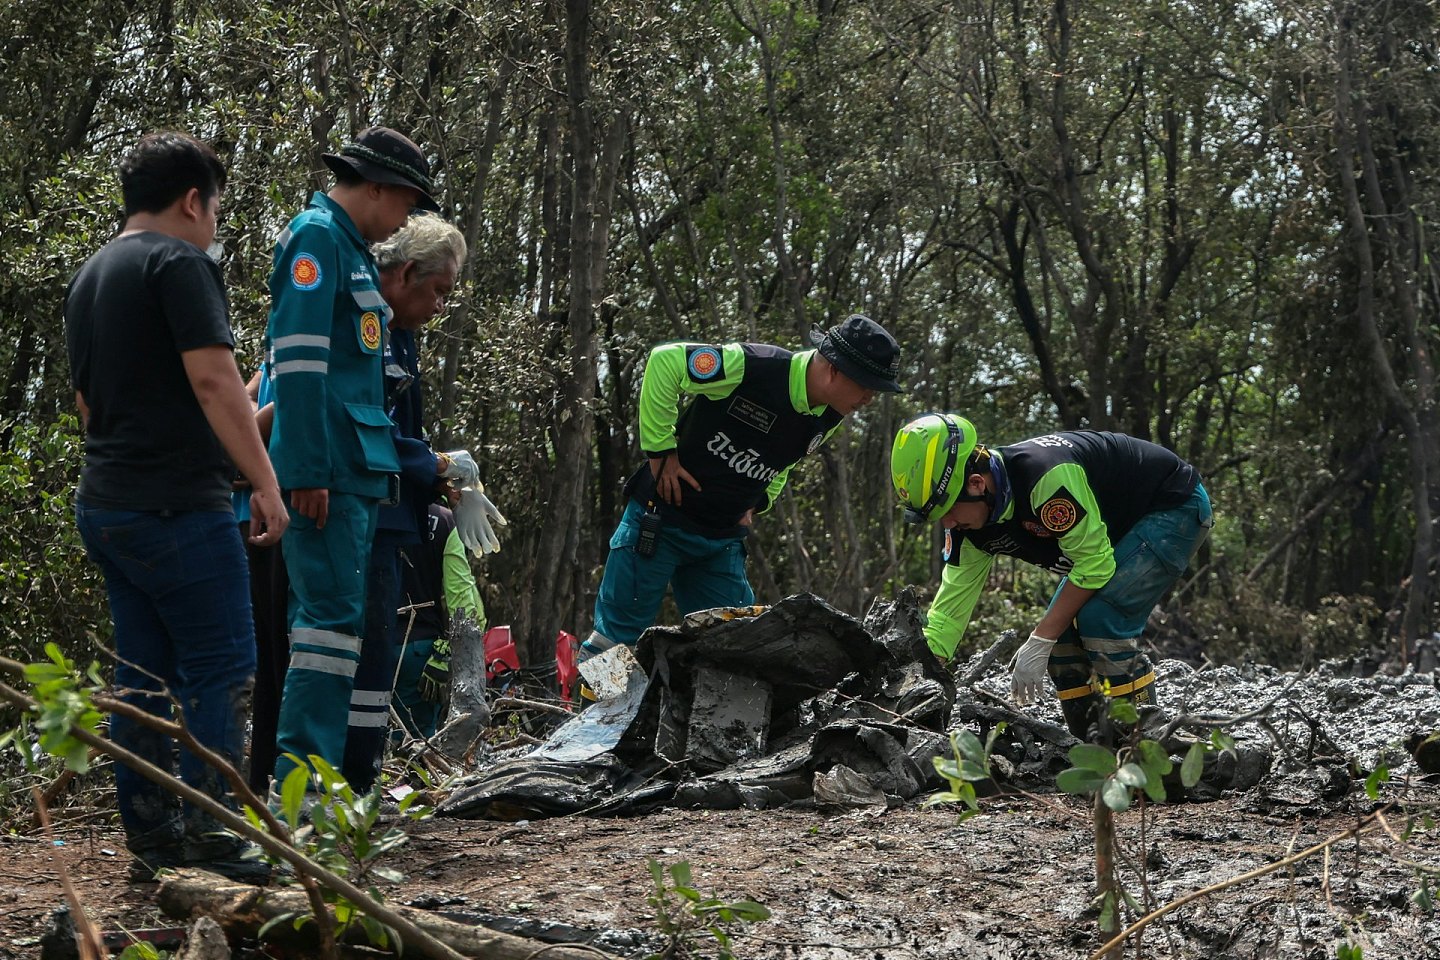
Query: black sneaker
{"type": "Point", "coordinates": [255, 872]}
{"type": "Point", "coordinates": [148, 861]}
{"type": "Point", "coordinates": [230, 857]}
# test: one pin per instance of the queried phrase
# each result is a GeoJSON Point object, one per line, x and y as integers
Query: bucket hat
{"type": "Point", "coordinates": [862, 350]}
{"type": "Point", "coordinates": [382, 155]}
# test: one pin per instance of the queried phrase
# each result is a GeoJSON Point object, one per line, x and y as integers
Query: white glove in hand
{"type": "Point", "coordinates": [459, 466]}
{"type": "Point", "coordinates": [1028, 669]}
{"type": "Point", "coordinates": [474, 516]}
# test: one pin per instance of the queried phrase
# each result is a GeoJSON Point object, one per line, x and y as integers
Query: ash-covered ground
{"type": "Point", "coordinates": [1014, 883]}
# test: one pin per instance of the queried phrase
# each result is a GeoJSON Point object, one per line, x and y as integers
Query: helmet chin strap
{"type": "Point", "coordinates": [947, 476]}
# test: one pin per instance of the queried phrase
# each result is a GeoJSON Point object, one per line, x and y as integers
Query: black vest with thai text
{"type": "Point", "coordinates": [736, 445]}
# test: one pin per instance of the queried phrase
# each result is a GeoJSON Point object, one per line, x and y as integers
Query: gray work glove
{"type": "Point", "coordinates": [475, 521]}
{"type": "Point", "coordinates": [1028, 669]}
{"type": "Point", "coordinates": [459, 466]}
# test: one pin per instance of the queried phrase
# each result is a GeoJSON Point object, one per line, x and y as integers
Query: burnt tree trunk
{"type": "Point", "coordinates": [595, 152]}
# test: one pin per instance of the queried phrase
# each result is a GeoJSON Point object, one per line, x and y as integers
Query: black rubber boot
{"type": "Point", "coordinates": [1084, 716]}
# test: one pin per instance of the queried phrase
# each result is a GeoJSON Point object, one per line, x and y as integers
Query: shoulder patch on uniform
{"type": "Point", "coordinates": [305, 272]}
{"type": "Point", "coordinates": [704, 363]}
{"type": "Point", "coordinates": [370, 329]}
{"type": "Point", "coordinates": [1061, 512]}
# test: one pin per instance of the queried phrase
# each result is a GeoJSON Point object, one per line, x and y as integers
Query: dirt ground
{"type": "Point", "coordinates": [916, 883]}
{"type": "Point", "coordinates": [907, 883]}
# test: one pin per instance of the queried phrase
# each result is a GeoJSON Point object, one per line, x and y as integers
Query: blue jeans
{"type": "Point", "coordinates": [704, 573]}
{"type": "Point", "coordinates": [1103, 645]}
{"type": "Point", "coordinates": [179, 592]}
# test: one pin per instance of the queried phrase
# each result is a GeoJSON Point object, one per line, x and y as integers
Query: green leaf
{"type": "Point", "coordinates": [973, 772]}
{"type": "Point", "coordinates": [1088, 756]}
{"type": "Point", "coordinates": [1107, 911]}
{"type": "Point", "coordinates": [329, 777]}
{"type": "Point", "coordinates": [1131, 775]}
{"type": "Point", "coordinates": [1155, 790]}
{"type": "Point", "coordinates": [292, 791]}
{"type": "Point", "coordinates": [1379, 775]}
{"type": "Point", "coordinates": [680, 873]}
{"type": "Point", "coordinates": [1116, 796]}
{"type": "Point", "coordinates": [1124, 711]}
{"type": "Point", "coordinates": [1154, 758]}
{"type": "Point", "coordinates": [1079, 781]}
{"type": "Point", "coordinates": [1193, 765]}
{"type": "Point", "coordinates": [750, 911]}
{"type": "Point", "coordinates": [1221, 740]}
{"type": "Point", "coordinates": [968, 745]}
{"type": "Point", "coordinates": [275, 921]}
{"type": "Point", "coordinates": [376, 931]}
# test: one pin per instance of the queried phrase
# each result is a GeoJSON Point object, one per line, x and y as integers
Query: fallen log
{"type": "Point", "coordinates": [241, 910]}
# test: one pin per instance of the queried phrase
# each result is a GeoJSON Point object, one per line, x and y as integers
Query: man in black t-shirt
{"type": "Point", "coordinates": [167, 423]}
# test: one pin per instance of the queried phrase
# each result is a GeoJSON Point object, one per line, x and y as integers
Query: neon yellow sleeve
{"type": "Point", "coordinates": [1065, 504]}
{"type": "Point", "coordinates": [960, 586]}
{"type": "Point", "coordinates": [667, 377]}
{"type": "Point", "coordinates": [461, 593]}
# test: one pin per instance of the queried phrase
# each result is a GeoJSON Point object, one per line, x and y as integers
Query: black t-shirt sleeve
{"type": "Point", "coordinates": [192, 296]}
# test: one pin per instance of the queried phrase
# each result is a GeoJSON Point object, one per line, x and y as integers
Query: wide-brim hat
{"type": "Point", "coordinates": [862, 350]}
{"type": "Point", "coordinates": [382, 155]}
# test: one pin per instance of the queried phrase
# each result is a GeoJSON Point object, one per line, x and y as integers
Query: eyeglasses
{"type": "Point", "coordinates": [937, 493]}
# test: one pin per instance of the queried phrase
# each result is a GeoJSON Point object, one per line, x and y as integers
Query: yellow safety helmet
{"type": "Point", "coordinates": [927, 464]}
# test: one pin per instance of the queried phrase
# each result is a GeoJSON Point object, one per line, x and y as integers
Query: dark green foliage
{"type": "Point", "coordinates": [1111, 215]}
{"type": "Point", "coordinates": [51, 591]}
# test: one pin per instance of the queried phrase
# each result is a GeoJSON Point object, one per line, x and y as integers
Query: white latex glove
{"type": "Point", "coordinates": [1028, 669]}
{"type": "Point", "coordinates": [474, 516]}
{"type": "Point", "coordinates": [459, 466]}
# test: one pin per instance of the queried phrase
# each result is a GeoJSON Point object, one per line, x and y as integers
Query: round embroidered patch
{"type": "Point", "coordinates": [1058, 515]}
{"type": "Point", "coordinates": [704, 363]}
{"type": "Point", "coordinates": [305, 272]}
{"type": "Point", "coordinates": [370, 329]}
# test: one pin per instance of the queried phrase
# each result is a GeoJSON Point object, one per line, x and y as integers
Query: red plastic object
{"type": "Point", "coordinates": [566, 673]}
{"type": "Point", "coordinates": [500, 653]}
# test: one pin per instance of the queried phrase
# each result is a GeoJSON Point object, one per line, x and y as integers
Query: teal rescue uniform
{"type": "Point", "coordinates": [325, 340]}
{"type": "Point", "coordinates": [1108, 512]}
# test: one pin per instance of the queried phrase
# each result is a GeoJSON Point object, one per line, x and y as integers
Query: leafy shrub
{"type": "Point", "coordinates": [52, 591]}
{"type": "Point", "coordinates": [1247, 625]}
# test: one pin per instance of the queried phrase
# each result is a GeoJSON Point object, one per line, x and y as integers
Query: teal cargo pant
{"type": "Point", "coordinates": [703, 572]}
{"type": "Point", "coordinates": [1101, 651]}
{"type": "Point", "coordinates": [327, 621]}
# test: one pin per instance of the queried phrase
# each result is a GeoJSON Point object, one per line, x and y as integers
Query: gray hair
{"type": "Point", "coordinates": [431, 242]}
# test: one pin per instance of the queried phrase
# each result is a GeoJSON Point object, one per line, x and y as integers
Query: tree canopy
{"type": "Point", "coordinates": [1203, 223]}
